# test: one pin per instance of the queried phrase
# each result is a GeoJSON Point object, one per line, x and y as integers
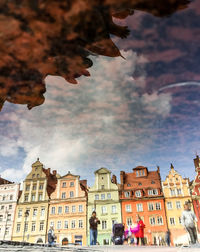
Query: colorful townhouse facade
{"type": "Point", "coordinates": [68, 210]}
{"type": "Point", "coordinates": [103, 197]}
{"type": "Point", "coordinates": [31, 218]}
{"type": "Point", "coordinates": [195, 191]}
{"type": "Point", "coordinates": [9, 192]}
{"type": "Point", "coordinates": [141, 193]}
{"type": "Point", "coordinates": [176, 192]}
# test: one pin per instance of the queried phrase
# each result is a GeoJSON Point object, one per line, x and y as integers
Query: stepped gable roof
{"type": "Point", "coordinates": [5, 181]}
{"type": "Point", "coordinates": [150, 180]}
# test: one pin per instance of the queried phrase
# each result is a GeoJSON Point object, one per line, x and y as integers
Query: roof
{"type": "Point", "coordinates": [140, 167]}
{"type": "Point", "coordinates": [152, 180]}
{"type": "Point", "coordinates": [102, 170]}
{"type": "Point", "coordinates": [5, 181]}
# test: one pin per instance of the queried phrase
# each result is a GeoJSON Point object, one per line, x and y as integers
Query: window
{"type": "Point", "coordinates": [33, 227]}
{"type": "Point", "coordinates": [152, 221]}
{"type": "Point", "coordinates": [59, 210]}
{"type": "Point", "coordinates": [179, 191]}
{"type": "Point", "coordinates": [33, 197]}
{"type": "Point", "coordinates": [153, 192]}
{"type": "Point", "coordinates": [172, 191]}
{"type": "Point", "coordinates": [180, 220]}
{"type": "Point", "coordinates": [59, 225]}
{"type": "Point", "coordinates": [139, 183]}
{"type": "Point", "coordinates": [26, 198]}
{"type": "Point", "coordinates": [127, 194]}
{"type": "Point", "coordinates": [104, 224]}
{"type": "Point", "coordinates": [27, 187]}
{"type": "Point", "coordinates": [66, 209]}
{"type": "Point", "coordinates": [150, 206]}
{"type": "Point", "coordinates": [34, 212]}
{"type": "Point", "coordinates": [10, 206]}
{"type": "Point", "coordinates": [128, 208]}
{"type": "Point", "coordinates": [52, 223]}
{"type": "Point", "coordinates": [71, 194]}
{"type": "Point", "coordinates": [41, 187]}
{"type": "Point", "coordinates": [11, 197]}
{"type": "Point", "coordinates": [172, 221]}
{"type": "Point", "coordinates": [80, 208]}
{"type": "Point", "coordinates": [114, 209]}
{"type": "Point", "coordinates": [66, 224]}
{"type": "Point", "coordinates": [71, 184]}
{"type": "Point", "coordinates": [160, 220]}
{"type": "Point", "coordinates": [73, 224]}
{"type": "Point", "coordinates": [2, 207]}
{"type": "Point", "coordinates": [138, 194]}
{"type": "Point", "coordinates": [42, 211]}
{"type": "Point", "coordinates": [40, 196]}
{"type": "Point", "coordinates": [7, 231]}
{"type": "Point", "coordinates": [34, 187]}
{"type": "Point", "coordinates": [19, 213]}
{"type": "Point", "coordinates": [64, 184]}
{"type": "Point", "coordinates": [9, 217]}
{"type": "Point", "coordinates": [158, 206]}
{"type": "Point", "coordinates": [1, 217]}
{"type": "Point", "coordinates": [80, 224]}
{"type": "Point", "coordinates": [103, 196]}
{"type": "Point", "coordinates": [26, 227]}
{"type": "Point", "coordinates": [128, 185]}
{"type": "Point", "coordinates": [113, 222]}
{"type": "Point", "coordinates": [108, 195]}
{"type": "Point", "coordinates": [18, 227]}
{"type": "Point", "coordinates": [4, 197]}
{"type": "Point", "coordinates": [129, 221]}
{"type": "Point", "coordinates": [96, 196]}
{"type": "Point", "coordinates": [103, 209]}
{"type": "Point", "coordinates": [41, 226]}
{"type": "Point", "coordinates": [152, 182]}
{"type": "Point", "coordinates": [102, 187]}
{"type": "Point", "coordinates": [139, 207]}
{"type": "Point", "coordinates": [33, 176]}
{"type": "Point", "coordinates": [178, 204]}
{"type": "Point", "coordinates": [53, 210]}
{"type": "Point", "coordinates": [73, 209]}
{"type": "Point", "coordinates": [63, 195]}
{"type": "Point", "coordinates": [169, 205]}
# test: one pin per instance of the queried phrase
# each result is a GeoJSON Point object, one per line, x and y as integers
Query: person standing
{"type": "Point", "coordinates": [140, 233]}
{"type": "Point", "coordinates": [167, 237]}
{"type": "Point", "coordinates": [51, 236]}
{"type": "Point", "coordinates": [188, 220]}
{"type": "Point", "coordinates": [94, 221]}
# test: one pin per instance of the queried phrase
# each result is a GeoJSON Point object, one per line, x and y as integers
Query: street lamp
{"type": "Point", "coordinates": [26, 214]}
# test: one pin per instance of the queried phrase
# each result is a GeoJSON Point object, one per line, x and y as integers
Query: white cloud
{"type": "Point", "coordinates": [89, 123]}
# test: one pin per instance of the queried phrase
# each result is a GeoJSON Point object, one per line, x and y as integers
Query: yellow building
{"type": "Point", "coordinates": [68, 210]}
{"type": "Point", "coordinates": [176, 191]}
{"type": "Point", "coordinates": [30, 222]}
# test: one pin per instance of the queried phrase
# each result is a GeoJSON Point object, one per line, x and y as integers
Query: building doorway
{"type": "Point", "coordinates": [65, 241]}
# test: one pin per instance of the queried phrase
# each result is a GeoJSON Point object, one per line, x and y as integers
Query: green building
{"type": "Point", "coordinates": [104, 198]}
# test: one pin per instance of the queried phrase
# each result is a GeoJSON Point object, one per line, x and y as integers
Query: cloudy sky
{"type": "Point", "coordinates": [120, 117]}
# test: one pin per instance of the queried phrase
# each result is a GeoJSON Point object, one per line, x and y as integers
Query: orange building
{"type": "Point", "coordinates": [141, 193]}
{"type": "Point", "coordinates": [68, 210]}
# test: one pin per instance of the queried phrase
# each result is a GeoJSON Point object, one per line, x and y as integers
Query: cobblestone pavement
{"type": "Point", "coordinates": [124, 248]}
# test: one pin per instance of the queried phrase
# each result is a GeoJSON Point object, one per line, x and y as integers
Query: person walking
{"type": "Point", "coordinates": [51, 236]}
{"type": "Point", "coordinates": [140, 234]}
{"type": "Point", "coordinates": [94, 221]}
{"type": "Point", "coordinates": [188, 220]}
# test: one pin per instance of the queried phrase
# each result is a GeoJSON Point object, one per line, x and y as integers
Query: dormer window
{"type": "Point", "coordinates": [138, 193]}
{"type": "Point", "coordinates": [139, 183]}
{"type": "Point", "coordinates": [152, 182]}
{"type": "Point", "coordinates": [128, 185]}
{"type": "Point", "coordinates": [140, 173]}
{"type": "Point", "coordinates": [127, 194]}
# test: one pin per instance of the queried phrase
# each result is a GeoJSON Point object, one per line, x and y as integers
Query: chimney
{"type": "Point", "coordinates": [196, 162]}
{"type": "Point", "coordinates": [158, 169]}
{"type": "Point", "coordinates": [122, 177]}
{"type": "Point", "coordinates": [54, 172]}
{"type": "Point", "coordinates": [114, 179]}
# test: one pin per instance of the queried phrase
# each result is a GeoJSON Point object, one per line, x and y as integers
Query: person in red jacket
{"type": "Point", "coordinates": [140, 234]}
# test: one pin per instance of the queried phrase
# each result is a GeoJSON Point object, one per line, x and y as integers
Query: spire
{"type": "Point", "coordinates": [172, 167]}
{"type": "Point", "coordinates": [38, 159]}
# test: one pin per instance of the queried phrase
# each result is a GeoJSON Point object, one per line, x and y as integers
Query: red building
{"type": "Point", "coordinates": [195, 189]}
{"type": "Point", "coordinates": [141, 193]}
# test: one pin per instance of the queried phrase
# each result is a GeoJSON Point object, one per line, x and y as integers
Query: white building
{"type": "Point", "coordinates": [8, 200]}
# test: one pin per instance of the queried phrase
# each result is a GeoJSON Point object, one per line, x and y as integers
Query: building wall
{"type": "Point", "coordinates": [34, 200]}
{"type": "Point", "coordinates": [104, 198]}
{"type": "Point", "coordinates": [176, 191]}
{"type": "Point", "coordinates": [8, 201]}
{"type": "Point", "coordinates": [71, 213]}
